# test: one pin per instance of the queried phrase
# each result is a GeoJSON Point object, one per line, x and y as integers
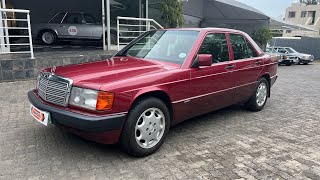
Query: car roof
{"type": "Point", "coordinates": [208, 29]}
{"type": "Point", "coordinates": [73, 12]}
{"type": "Point", "coordinates": [280, 47]}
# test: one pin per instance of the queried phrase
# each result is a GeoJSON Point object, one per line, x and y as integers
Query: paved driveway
{"type": "Point", "coordinates": [280, 142]}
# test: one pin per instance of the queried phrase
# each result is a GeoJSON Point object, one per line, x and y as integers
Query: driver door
{"type": "Point", "coordinates": [211, 88]}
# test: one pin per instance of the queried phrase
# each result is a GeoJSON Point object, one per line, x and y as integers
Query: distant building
{"type": "Point", "coordinates": [307, 15]}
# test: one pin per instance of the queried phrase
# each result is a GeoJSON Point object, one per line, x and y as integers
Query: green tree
{"type": "Point", "coordinates": [172, 13]}
{"type": "Point", "coordinates": [262, 37]}
{"type": "Point", "coordinates": [310, 2]}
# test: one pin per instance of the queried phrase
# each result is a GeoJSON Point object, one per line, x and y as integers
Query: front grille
{"type": "Point", "coordinates": [54, 89]}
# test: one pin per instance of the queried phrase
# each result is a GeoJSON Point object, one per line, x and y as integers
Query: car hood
{"type": "Point", "coordinates": [95, 74]}
{"type": "Point", "coordinates": [299, 54]}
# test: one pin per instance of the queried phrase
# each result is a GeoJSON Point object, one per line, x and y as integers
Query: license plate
{"type": "Point", "coordinates": [39, 115]}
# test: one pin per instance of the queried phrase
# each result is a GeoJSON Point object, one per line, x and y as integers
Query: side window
{"type": "Point", "coordinates": [89, 19]}
{"type": "Point", "coordinates": [73, 18]}
{"type": "Point", "coordinates": [241, 48]}
{"type": "Point", "coordinates": [215, 44]}
{"type": "Point", "coordinates": [57, 18]}
{"type": "Point", "coordinates": [282, 50]}
{"type": "Point", "coordinates": [251, 51]}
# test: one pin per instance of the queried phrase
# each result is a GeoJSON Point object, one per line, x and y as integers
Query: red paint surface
{"type": "Point", "coordinates": [192, 91]}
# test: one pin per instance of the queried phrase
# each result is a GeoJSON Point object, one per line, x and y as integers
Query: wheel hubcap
{"type": "Point", "coordinates": [150, 128]}
{"type": "Point", "coordinates": [48, 38]}
{"type": "Point", "coordinates": [261, 94]}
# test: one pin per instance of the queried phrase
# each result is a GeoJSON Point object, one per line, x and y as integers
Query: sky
{"type": "Point", "coordinates": [273, 8]}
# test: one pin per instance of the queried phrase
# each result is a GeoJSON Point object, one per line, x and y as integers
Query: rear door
{"type": "Point", "coordinates": [211, 87]}
{"type": "Point", "coordinates": [74, 26]}
{"type": "Point", "coordinates": [247, 67]}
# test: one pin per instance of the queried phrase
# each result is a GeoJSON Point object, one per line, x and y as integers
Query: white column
{"type": "Point", "coordinates": [147, 15]}
{"type": "Point", "coordinates": [108, 25]}
{"type": "Point", "coordinates": [30, 36]}
{"type": "Point", "coordinates": [2, 47]}
{"type": "Point", "coordinates": [140, 15]}
{"type": "Point", "coordinates": [4, 6]}
{"type": "Point", "coordinates": [104, 25]}
{"type": "Point", "coordinates": [147, 9]}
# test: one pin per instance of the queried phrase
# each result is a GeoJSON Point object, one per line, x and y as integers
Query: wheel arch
{"type": "Point", "coordinates": [47, 30]}
{"type": "Point", "coordinates": [268, 78]}
{"type": "Point", "coordinates": [156, 93]}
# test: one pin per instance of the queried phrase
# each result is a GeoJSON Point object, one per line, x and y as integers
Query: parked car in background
{"type": "Point", "coordinates": [283, 59]}
{"type": "Point", "coordinates": [70, 26]}
{"type": "Point", "coordinates": [160, 79]}
{"type": "Point", "coordinates": [299, 58]}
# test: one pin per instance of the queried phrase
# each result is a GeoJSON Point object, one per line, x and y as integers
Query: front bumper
{"type": "Point", "coordinates": [287, 61]}
{"type": "Point", "coordinates": [306, 60]}
{"type": "Point", "coordinates": [79, 122]}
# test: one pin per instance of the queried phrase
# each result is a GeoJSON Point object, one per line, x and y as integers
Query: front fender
{"type": "Point", "coordinates": [147, 91]}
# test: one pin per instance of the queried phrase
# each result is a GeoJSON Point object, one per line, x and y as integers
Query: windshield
{"type": "Point", "coordinates": [164, 45]}
{"type": "Point", "coordinates": [290, 50]}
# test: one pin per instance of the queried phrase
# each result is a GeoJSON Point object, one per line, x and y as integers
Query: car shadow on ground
{"type": "Point", "coordinates": [182, 129]}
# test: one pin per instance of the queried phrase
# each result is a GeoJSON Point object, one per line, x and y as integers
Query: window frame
{"type": "Point", "coordinates": [227, 41]}
{"type": "Point", "coordinates": [247, 43]}
{"type": "Point", "coordinates": [292, 14]}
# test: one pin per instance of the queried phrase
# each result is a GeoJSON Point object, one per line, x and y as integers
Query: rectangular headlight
{"type": "Point", "coordinates": [91, 99]}
{"type": "Point", "coordinates": [85, 98]}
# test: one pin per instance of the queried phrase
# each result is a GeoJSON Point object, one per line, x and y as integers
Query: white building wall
{"type": "Point", "coordinates": [303, 14]}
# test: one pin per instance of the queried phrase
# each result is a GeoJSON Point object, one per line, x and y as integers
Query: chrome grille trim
{"type": "Point", "coordinates": [54, 89]}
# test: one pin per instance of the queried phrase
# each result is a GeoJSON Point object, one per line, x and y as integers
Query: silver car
{"type": "Point", "coordinates": [298, 58]}
{"type": "Point", "coordinates": [70, 26]}
{"type": "Point", "coordinates": [283, 59]}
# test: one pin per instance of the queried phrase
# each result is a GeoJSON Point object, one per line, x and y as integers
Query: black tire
{"type": "Point", "coordinates": [252, 104]}
{"type": "Point", "coordinates": [305, 63]}
{"type": "Point", "coordinates": [128, 140]}
{"type": "Point", "coordinates": [48, 33]}
{"type": "Point", "coordinates": [299, 61]}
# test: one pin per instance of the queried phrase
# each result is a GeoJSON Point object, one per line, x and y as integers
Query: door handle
{"type": "Point", "coordinates": [62, 26]}
{"type": "Point", "coordinates": [258, 62]}
{"type": "Point", "coordinates": [229, 67]}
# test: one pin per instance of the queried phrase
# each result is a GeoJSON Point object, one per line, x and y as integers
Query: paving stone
{"type": "Point", "coordinates": [280, 142]}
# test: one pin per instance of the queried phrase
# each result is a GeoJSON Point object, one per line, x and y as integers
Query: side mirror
{"type": "Point", "coordinates": [203, 60]}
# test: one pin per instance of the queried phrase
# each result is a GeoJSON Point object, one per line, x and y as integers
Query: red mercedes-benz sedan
{"type": "Point", "coordinates": [160, 79]}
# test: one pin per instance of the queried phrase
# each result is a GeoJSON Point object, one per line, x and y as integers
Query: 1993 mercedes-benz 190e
{"type": "Point", "coordinates": [160, 79]}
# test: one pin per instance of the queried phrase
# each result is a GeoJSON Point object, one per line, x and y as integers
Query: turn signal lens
{"type": "Point", "coordinates": [105, 101]}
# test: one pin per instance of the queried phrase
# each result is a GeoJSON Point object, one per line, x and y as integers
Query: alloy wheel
{"type": "Point", "coordinates": [150, 128]}
{"type": "Point", "coordinates": [261, 95]}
